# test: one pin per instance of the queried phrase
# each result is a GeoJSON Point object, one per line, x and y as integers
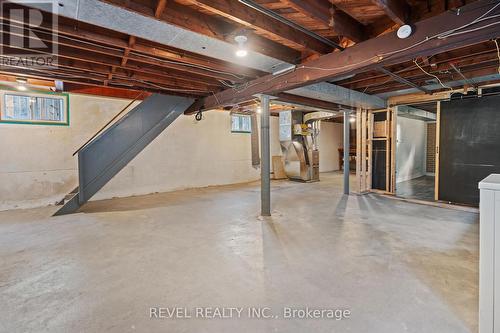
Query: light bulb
{"type": "Point", "coordinates": [241, 40]}
{"type": "Point", "coordinates": [22, 88]}
{"type": "Point", "coordinates": [241, 53]}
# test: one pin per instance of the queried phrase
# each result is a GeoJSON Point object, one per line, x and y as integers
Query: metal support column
{"type": "Point", "coordinates": [346, 152]}
{"type": "Point", "coordinates": [265, 163]}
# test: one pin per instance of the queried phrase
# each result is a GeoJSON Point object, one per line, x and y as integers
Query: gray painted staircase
{"type": "Point", "coordinates": [109, 152]}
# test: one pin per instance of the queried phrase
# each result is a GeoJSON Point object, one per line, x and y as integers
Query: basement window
{"type": "Point", "coordinates": [34, 108]}
{"type": "Point", "coordinates": [241, 123]}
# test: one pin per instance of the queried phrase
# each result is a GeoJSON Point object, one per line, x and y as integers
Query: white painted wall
{"type": "Point", "coordinates": [37, 168]}
{"type": "Point", "coordinates": [410, 149]}
{"type": "Point", "coordinates": [330, 140]}
{"type": "Point", "coordinates": [274, 137]}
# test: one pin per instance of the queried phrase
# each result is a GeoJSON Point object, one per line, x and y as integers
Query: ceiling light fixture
{"type": "Point", "coordinates": [22, 88]}
{"type": "Point", "coordinates": [241, 40]}
{"type": "Point", "coordinates": [404, 31]}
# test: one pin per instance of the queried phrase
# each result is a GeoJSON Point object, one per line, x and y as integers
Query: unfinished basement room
{"type": "Point", "coordinates": [221, 166]}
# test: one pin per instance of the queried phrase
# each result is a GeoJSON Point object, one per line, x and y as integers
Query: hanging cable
{"type": "Point", "coordinates": [435, 76]}
{"type": "Point", "coordinates": [449, 33]}
{"type": "Point", "coordinates": [498, 54]}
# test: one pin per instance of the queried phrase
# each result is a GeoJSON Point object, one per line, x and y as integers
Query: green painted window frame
{"type": "Point", "coordinates": [10, 91]}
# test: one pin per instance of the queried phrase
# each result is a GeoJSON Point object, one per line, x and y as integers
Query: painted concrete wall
{"type": "Point", "coordinates": [330, 140]}
{"type": "Point", "coordinates": [410, 149]}
{"type": "Point", "coordinates": [274, 136]}
{"type": "Point", "coordinates": [37, 168]}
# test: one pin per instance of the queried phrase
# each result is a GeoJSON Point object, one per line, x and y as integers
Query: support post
{"type": "Point", "coordinates": [346, 152]}
{"type": "Point", "coordinates": [265, 163]}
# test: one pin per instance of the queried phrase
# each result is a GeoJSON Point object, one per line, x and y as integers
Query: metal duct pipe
{"type": "Point", "coordinates": [291, 24]}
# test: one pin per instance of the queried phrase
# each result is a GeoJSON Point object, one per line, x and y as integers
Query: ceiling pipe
{"type": "Point", "coordinates": [459, 72]}
{"type": "Point", "coordinates": [291, 24]}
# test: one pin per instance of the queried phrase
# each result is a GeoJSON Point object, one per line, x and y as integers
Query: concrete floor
{"type": "Point", "coordinates": [421, 188]}
{"type": "Point", "coordinates": [397, 266]}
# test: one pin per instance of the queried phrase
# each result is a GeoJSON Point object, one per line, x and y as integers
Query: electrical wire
{"type": "Point", "coordinates": [471, 30]}
{"type": "Point", "coordinates": [435, 76]}
{"type": "Point", "coordinates": [498, 54]}
{"type": "Point", "coordinates": [377, 58]}
{"type": "Point", "coordinates": [440, 36]}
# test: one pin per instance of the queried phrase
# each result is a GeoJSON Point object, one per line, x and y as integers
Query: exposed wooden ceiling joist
{"type": "Point", "coordinates": [111, 59]}
{"type": "Point", "coordinates": [397, 10]}
{"type": "Point", "coordinates": [248, 17]}
{"type": "Point", "coordinates": [330, 15]}
{"type": "Point", "coordinates": [190, 19]}
{"type": "Point", "coordinates": [316, 103]}
{"type": "Point", "coordinates": [160, 7]}
{"type": "Point", "coordinates": [381, 51]}
{"type": "Point", "coordinates": [87, 37]}
{"type": "Point", "coordinates": [467, 58]}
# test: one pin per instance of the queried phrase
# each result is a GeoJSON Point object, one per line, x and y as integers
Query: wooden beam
{"type": "Point", "coordinates": [381, 51]}
{"type": "Point", "coordinates": [411, 72]}
{"type": "Point", "coordinates": [51, 75]}
{"type": "Point", "coordinates": [177, 59]}
{"type": "Point", "coordinates": [35, 82]}
{"type": "Point", "coordinates": [327, 13]}
{"type": "Point", "coordinates": [160, 7]}
{"type": "Point", "coordinates": [104, 91]}
{"type": "Point", "coordinates": [111, 58]}
{"type": "Point", "coordinates": [131, 43]}
{"type": "Point", "coordinates": [248, 17]}
{"type": "Point", "coordinates": [190, 19]}
{"type": "Point", "coordinates": [83, 61]}
{"type": "Point", "coordinates": [396, 10]}
{"type": "Point", "coordinates": [345, 25]}
{"type": "Point", "coordinates": [486, 69]}
{"type": "Point", "coordinates": [306, 101]}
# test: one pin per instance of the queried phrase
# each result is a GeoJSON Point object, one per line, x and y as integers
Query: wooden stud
{"type": "Point", "coordinates": [370, 150]}
{"type": "Point", "coordinates": [393, 138]}
{"type": "Point", "coordinates": [363, 150]}
{"type": "Point", "coordinates": [358, 148]}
